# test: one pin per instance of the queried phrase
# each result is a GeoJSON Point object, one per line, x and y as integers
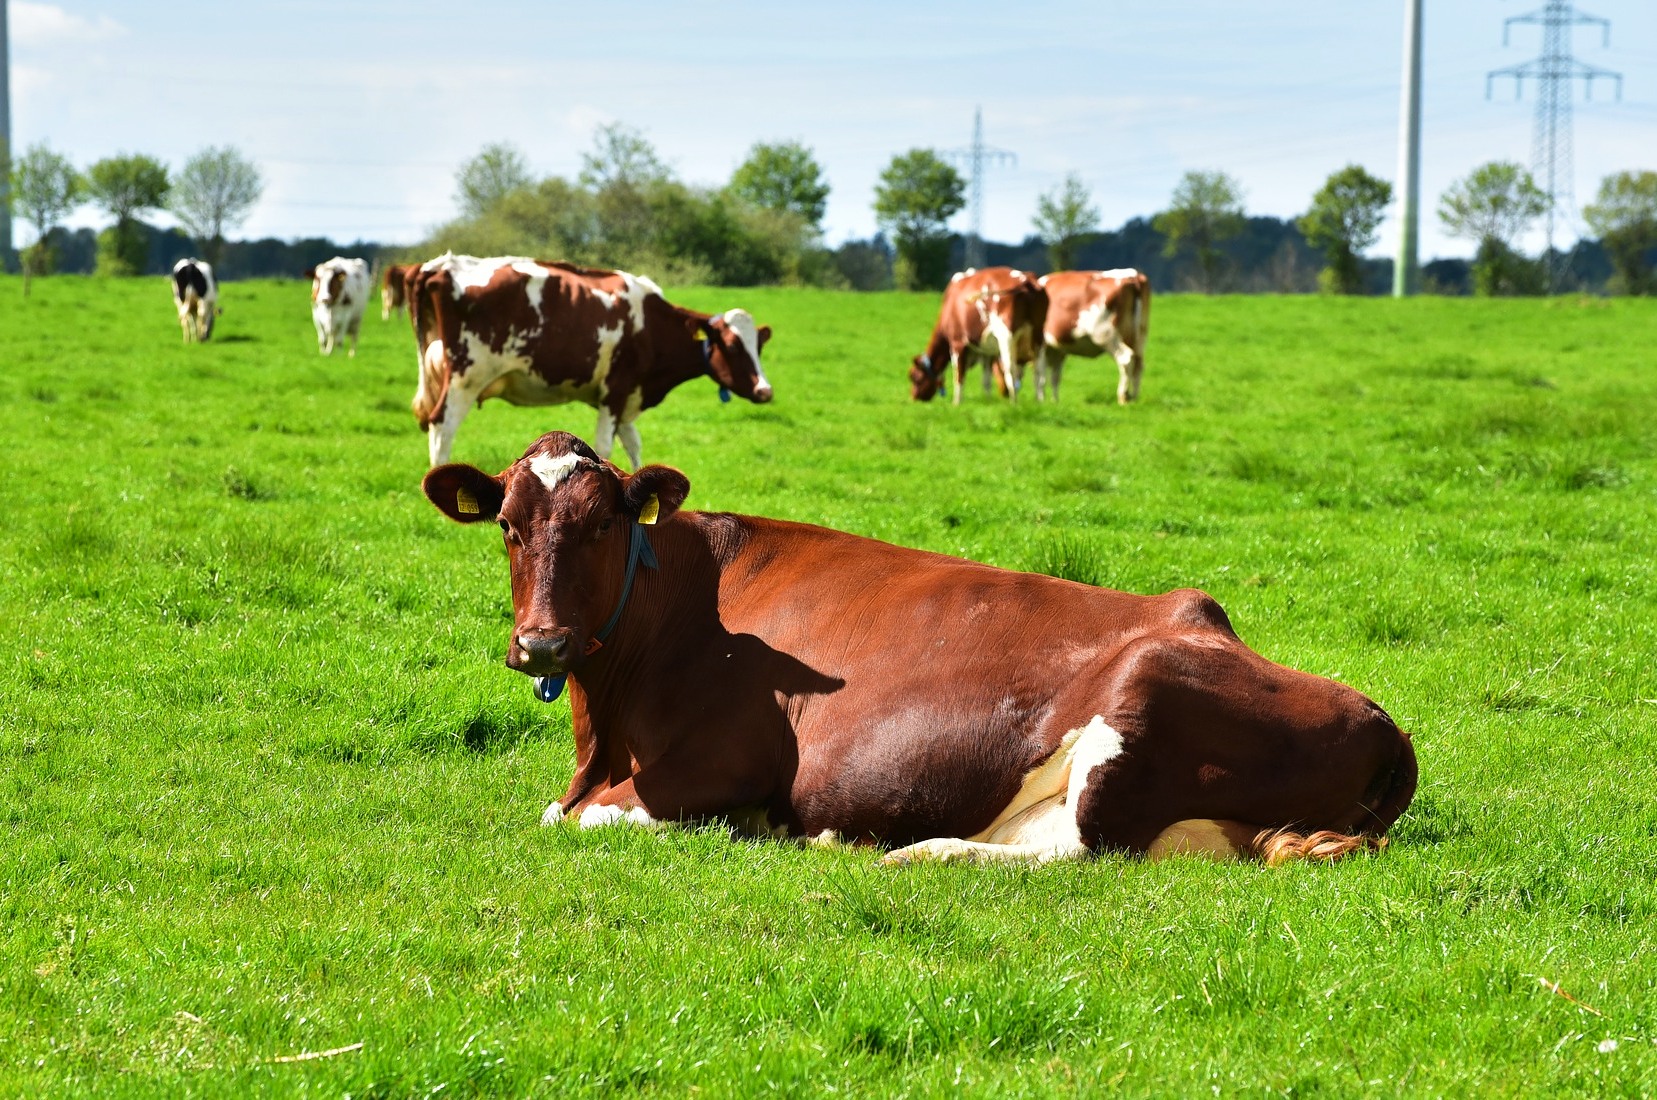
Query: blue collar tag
{"type": "Point", "coordinates": [724, 396]}
{"type": "Point", "coordinates": [548, 688]}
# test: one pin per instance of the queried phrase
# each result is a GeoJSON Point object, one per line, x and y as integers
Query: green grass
{"type": "Point", "coordinates": [267, 787]}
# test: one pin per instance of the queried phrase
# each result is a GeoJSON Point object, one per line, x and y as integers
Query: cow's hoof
{"type": "Point", "coordinates": [554, 814]}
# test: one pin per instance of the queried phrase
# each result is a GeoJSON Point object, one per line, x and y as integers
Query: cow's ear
{"type": "Point", "coordinates": [664, 485]}
{"type": "Point", "coordinates": [464, 493]}
{"type": "Point", "coordinates": [764, 335]}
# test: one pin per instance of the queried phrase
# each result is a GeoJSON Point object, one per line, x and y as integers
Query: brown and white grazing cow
{"type": "Point", "coordinates": [1092, 313]}
{"type": "Point", "coordinates": [539, 333]}
{"type": "Point", "coordinates": [339, 298]}
{"type": "Point", "coordinates": [393, 288]}
{"type": "Point", "coordinates": [810, 682]}
{"type": "Point", "coordinates": [196, 297]}
{"type": "Point", "coordinates": [994, 315]}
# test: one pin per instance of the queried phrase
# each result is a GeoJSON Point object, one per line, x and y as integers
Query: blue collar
{"type": "Point", "coordinates": [707, 357]}
{"type": "Point", "coordinates": [548, 688]}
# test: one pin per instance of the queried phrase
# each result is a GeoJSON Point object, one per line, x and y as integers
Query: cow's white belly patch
{"type": "Point", "coordinates": [1039, 825]}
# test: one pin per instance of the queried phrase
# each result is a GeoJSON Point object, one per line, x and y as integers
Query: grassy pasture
{"type": "Point", "coordinates": [268, 789]}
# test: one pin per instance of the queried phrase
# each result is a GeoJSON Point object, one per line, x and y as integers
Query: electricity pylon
{"type": "Point", "coordinates": [1556, 72]}
{"type": "Point", "coordinates": [976, 157]}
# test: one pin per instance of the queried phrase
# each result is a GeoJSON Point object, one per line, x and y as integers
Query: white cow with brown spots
{"type": "Point", "coordinates": [537, 333]}
{"type": "Point", "coordinates": [339, 296]}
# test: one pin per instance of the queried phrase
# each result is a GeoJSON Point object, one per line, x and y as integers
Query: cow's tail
{"type": "Point", "coordinates": [433, 389]}
{"type": "Point", "coordinates": [1283, 845]}
{"type": "Point", "coordinates": [1142, 312]}
{"type": "Point", "coordinates": [424, 317]}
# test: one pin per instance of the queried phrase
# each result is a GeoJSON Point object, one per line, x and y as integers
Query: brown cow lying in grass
{"type": "Point", "coordinates": [819, 683]}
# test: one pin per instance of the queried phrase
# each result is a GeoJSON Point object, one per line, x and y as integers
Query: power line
{"type": "Point", "coordinates": [1556, 73]}
{"type": "Point", "coordinates": [976, 156]}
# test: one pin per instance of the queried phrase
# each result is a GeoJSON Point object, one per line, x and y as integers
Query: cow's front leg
{"type": "Point", "coordinates": [440, 437]}
{"type": "Point", "coordinates": [617, 805]}
{"type": "Point", "coordinates": [629, 433]}
{"type": "Point", "coordinates": [604, 436]}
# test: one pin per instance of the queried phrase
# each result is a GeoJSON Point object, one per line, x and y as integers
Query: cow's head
{"type": "Point", "coordinates": [567, 518]}
{"type": "Point", "coordinates": [925, 379]}
{"type": "Point", "coordinates": [731, 344]}
{"type": "Point", "coordinates": [327, 285]}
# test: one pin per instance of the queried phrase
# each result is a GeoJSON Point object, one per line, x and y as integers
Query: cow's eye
{"type": "Point", "coordinates": [604, 526]}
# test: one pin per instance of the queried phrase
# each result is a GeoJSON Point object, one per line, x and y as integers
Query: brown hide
{"type": "Point", "coordinates": [892, 695]}
{"type": "Point", "coordinates": [961, 336]}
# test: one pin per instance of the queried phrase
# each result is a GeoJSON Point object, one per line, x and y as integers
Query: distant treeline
{"type": "Point", "coordinates": [1270, 256]}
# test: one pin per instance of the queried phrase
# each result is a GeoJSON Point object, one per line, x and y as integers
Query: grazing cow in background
{"type": "Point", "coordinates": [805, 682]}
{"type": "Point", "coordinates": [538, 333]}
{"type": "Point", "coordinates": [1091, 313]}
{"type": "Point", "coordinates": [339, 297]}
{"type": "Point", "coordinates": [994, 315]}
{"type": "Point", "coordinates": [393, 288]}
{"type": "Point", "coordinates": [196, 297]}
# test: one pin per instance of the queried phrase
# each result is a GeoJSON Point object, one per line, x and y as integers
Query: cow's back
{"type": "Point", "coordinates": [893, 652]}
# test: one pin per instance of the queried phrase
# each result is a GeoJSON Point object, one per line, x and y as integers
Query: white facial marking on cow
{"type": "Point", "coordinates": [1039, 824]}
{"type": "Point", "coordinates": [595, 817]}
{"type": "Point", "coordinates": [553, 469]}
{"type": "Point", "coordinates": [747, 333]}
{"type": "Point", "coordinates": [554, 814]}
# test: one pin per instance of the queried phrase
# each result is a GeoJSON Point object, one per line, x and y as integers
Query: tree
{"type": "Point", "coordinates": [1493, 206]}
{"type": "Point", "coordinates": [621, 155]}
{"type": "Point", "coordinates": [918, 192]}
{"type": "Point", "coordinates": [1063, 216]}
{"type": "Point", "coordinates": [1206, 208]}
{"type": "Point", "coordinates": [783, 176]}
{"type": "Point", "coordinates": [1345, 213]}
{"type": "Point", "coordinates": [44, 187]}
{"type": "Point", "coordinates": [497, 171]}
{"type": "Point", "coordinates": [125, 186]}
{"type": "Point", "coordinates": [216, 191]}
{"type": "Point", "coordinates": [1625, 217]}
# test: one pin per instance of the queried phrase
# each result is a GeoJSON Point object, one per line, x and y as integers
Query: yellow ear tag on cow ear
{"type": "Point", "coordinates": [651, 511]}
{"type": "Point", "coordinates": [465, 503]}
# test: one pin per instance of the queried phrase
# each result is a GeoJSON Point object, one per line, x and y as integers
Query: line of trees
{"type": "Point", "coordinates": [214, 192]}
{"type": "Point", "coordinates": [626, 208]}
{"type": "Point", "coordinates": [1493, 206]}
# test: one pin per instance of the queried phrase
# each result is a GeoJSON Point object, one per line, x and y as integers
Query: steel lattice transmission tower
{"type": "Point", "coordinates": [976, 157]}
{"type": "Point", "coordinates": [1556, 73]}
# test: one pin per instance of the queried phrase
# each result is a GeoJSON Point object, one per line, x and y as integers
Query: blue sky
{"type": "Point", "coordinates": [359, 112]}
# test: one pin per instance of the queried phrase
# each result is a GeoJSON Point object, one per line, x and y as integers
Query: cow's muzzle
{"type": "Point", "coordinates": [541, 652]}
{"type": "Point", "coordinates": [762, 395]}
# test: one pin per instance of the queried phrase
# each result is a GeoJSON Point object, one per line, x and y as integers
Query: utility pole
{"type": "Point", "coordinates": [975, 157]}
{"type": "Point", "coordinates": [1556, 72]}
{"type": "Point", "coordinates": [1406, 269]}
{"type": "Point", "coordinates": [5, 143]}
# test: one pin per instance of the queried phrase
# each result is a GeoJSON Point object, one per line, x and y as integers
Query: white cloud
{"type": "Point", "coordinates": [35, 25]}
